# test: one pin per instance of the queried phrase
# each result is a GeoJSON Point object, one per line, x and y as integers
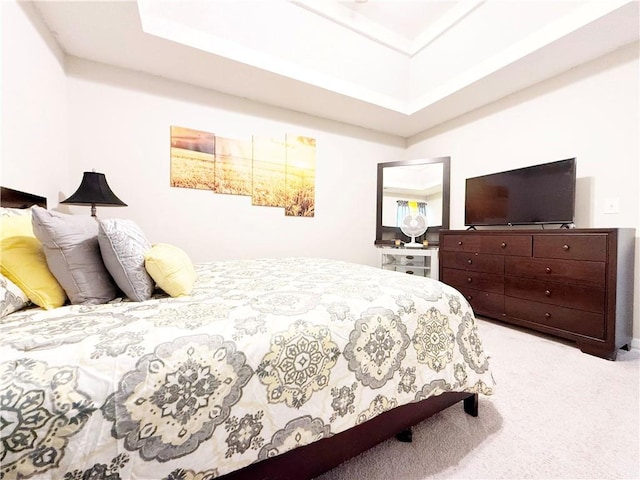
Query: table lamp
{"type": "Point", "coordinates": [94, 190]}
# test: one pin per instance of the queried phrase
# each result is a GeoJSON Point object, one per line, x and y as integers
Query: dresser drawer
{"type": "Point", "coordinates": [477, 262]}
{"type": "Point", "coordinates": [582, 297]}
{"type": "Point", "coordinates": [569, 271]}
{"type": "Point", "coordinates": [484, 302]}
{"type": "Point", "coordinates": [493, 244]}
{"type": "Point", "coordinates": [506, 244]}
{"type": "Point", "coordinates": [480, 281]}
{"type": "Point", "coordinates": [573, 321]}
{"type": "Point", "coordinates": [460, 243]}
{"type": "Point", "coordinates": [411, 270]}
{"type": "Point", "coordinates": [414, 261]}
{"type": "Point", "coordinates": [571, 247]}
{"type": "Point", "coordinates": [573, 283]}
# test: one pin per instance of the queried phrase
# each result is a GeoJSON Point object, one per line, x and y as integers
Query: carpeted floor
{"type": "Point", "coordinates": [557, 414]}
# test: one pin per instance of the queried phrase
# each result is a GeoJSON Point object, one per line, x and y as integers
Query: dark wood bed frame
{"type": "Point", "coordinates": [312, 460]}
{"type": "Point", "coordinates": [16, 199]}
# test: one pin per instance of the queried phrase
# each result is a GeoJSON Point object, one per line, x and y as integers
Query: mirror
{"type": "Point", "coordinates": [422, 180]}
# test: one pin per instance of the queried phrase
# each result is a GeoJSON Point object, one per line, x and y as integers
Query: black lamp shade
{"type": "Point", "coordinates": [94, 190]}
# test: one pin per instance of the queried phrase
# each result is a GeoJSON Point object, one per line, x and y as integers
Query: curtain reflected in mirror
{"type": "Point", "coordinates": [420, 184]}
{"type": "Point", "coordinates": [405, 208]}
{"type": "Point", "coordinates": [412, 187]}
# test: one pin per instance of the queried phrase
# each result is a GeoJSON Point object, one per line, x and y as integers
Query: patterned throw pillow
{"type": "Point", "coordinates": [12, 298]}
{"type": "Point", "coordinates": [123, 246]}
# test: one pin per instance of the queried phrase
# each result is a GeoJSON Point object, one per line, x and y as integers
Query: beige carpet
{"type": "Point", "coordinates": [557, 414]}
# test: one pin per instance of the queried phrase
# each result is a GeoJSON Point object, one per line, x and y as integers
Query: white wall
{"type": "Point", "coordinates": [59, 120]}
{"type": "Point", "coordinates": [34, 105]}
{"type": "Point", "coordinates": [590, 112]}
{"type": "Point", "coordinates": [54, 126]}
{"type": "Point", "coordinates": [119, 123]}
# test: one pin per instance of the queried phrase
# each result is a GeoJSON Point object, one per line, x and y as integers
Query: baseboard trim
{"type": "Point", "coordinates": [635, 343]}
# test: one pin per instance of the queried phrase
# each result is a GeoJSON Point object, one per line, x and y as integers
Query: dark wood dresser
{"type": "Point", "coordinates": [576, 284]}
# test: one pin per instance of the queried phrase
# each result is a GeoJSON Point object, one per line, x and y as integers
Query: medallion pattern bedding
{"type": "Point", "coordinates": [265, 356]}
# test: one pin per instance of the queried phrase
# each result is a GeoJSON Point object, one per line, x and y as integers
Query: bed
{"type": "Point", "coordinates": [277, 368]}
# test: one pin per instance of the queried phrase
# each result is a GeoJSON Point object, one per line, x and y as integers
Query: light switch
{"type": "Point", "coordinates": [612, 205]}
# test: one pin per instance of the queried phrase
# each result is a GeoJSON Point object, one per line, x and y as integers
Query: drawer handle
{"type": "Point", "coordinates": [565, 247]}
{"type": "Point", "coordinates": [503, 245]}
{"type": "Point", "coordinates": [548, 270]}
{"type": "Point", "coordinates": [469, 297]}
{"type": "Point", "coordinates": [409, 257]}
{"type": "Point", "coordinates": [409, 272]}
{"type": "Point", "coordinates": [547, 315]}
{"type": "Point", "coordinates": [469, 280]}
{"type": "Point", "coordinates": [460, 242]}
{"type": "Point", "coordinates": [547, 293]}
{"type": "Point", "coordinates": [469, 261]}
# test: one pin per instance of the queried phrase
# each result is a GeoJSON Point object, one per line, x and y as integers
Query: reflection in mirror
{"type": "Point", "coordinates": [424, 183]}
{"type": "Point", "coordinates": [417, 183]}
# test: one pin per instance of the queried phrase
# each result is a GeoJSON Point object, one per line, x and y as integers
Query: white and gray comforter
{"type": "Point", "coordinates": [265, 356]}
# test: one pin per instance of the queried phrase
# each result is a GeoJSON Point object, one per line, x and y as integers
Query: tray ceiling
{"type": "Point", "coordinates": [399, 67]}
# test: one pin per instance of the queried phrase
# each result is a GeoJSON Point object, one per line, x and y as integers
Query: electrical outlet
{"type": "Point", "coordinates": [612, 205]}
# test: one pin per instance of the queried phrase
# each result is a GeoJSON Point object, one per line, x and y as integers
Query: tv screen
{"type": "Point", "coordinates": [525, 196]}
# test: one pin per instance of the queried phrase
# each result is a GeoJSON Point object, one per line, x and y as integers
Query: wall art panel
{"type": "Point", "coordinates": [275, 172]}
{"type": "Point", "coordinates": [192, 158]}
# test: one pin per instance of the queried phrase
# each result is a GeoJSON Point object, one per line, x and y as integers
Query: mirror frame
{"type": "Point", "coordinates": [446, 173]}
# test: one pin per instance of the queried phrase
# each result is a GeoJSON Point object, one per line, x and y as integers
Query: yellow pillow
{"type": "Point", "coordinates": [16, 225]}
{"type": "Point", "coordinates": [171, 269]}
{"type": "Point", "coordinates": [23, 262]}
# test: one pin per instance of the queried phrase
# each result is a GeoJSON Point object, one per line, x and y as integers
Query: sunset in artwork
{"type": "Point", "coordinates": [233, 166]}
{"type": "Point", "coordinates": [269, 170]}
{"type": "Point", "coordinates": [275, 172]}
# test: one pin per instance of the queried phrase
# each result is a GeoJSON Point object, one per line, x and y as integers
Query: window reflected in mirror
{"type": "Point", "coordinates": [418, 186]}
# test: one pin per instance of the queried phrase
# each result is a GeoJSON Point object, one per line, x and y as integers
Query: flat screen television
{"type": "Point", "coordinates": [539, 194]}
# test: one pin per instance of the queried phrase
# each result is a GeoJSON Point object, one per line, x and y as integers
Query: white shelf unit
{"type": "Point", "coordinates": [414, 261]}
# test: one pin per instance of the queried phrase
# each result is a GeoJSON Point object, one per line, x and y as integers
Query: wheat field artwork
{"type": "Point", "coordinates": [192, 158]}
{"type": "Point", "coordinates": [233, 166]}
{"type": "Point", "coordinates": [273, 172]}
{"type": "Point", "coordinates": [300, 176]}
{"type": "Point", "coordinates": [269, 169]}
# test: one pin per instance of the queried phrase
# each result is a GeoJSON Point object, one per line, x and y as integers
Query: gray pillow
{"type": "Point", "coordinates": [70, 244]}
{"type": "Point", "coordinates": [123, 246]}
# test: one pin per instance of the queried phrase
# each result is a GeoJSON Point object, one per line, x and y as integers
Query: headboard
{"type": "Point", "coordinates": [17, 199]}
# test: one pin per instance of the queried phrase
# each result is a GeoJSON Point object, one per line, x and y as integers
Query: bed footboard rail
{"type": "Point", "coordinates": [312, 460]}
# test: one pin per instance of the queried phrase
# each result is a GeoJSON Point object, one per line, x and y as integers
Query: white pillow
{"type": "Point", "coordinates": [14, 212]}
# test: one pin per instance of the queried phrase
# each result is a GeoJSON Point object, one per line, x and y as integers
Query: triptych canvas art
{"type": "Point", "coordinates": [273, 172]}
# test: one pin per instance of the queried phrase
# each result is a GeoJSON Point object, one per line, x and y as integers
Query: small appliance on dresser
{"type": "Point", "coordinates": [573, 283]}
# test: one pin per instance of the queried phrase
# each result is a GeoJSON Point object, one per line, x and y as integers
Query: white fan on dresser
{"type": "Point", "coordinates": [413, 226]}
